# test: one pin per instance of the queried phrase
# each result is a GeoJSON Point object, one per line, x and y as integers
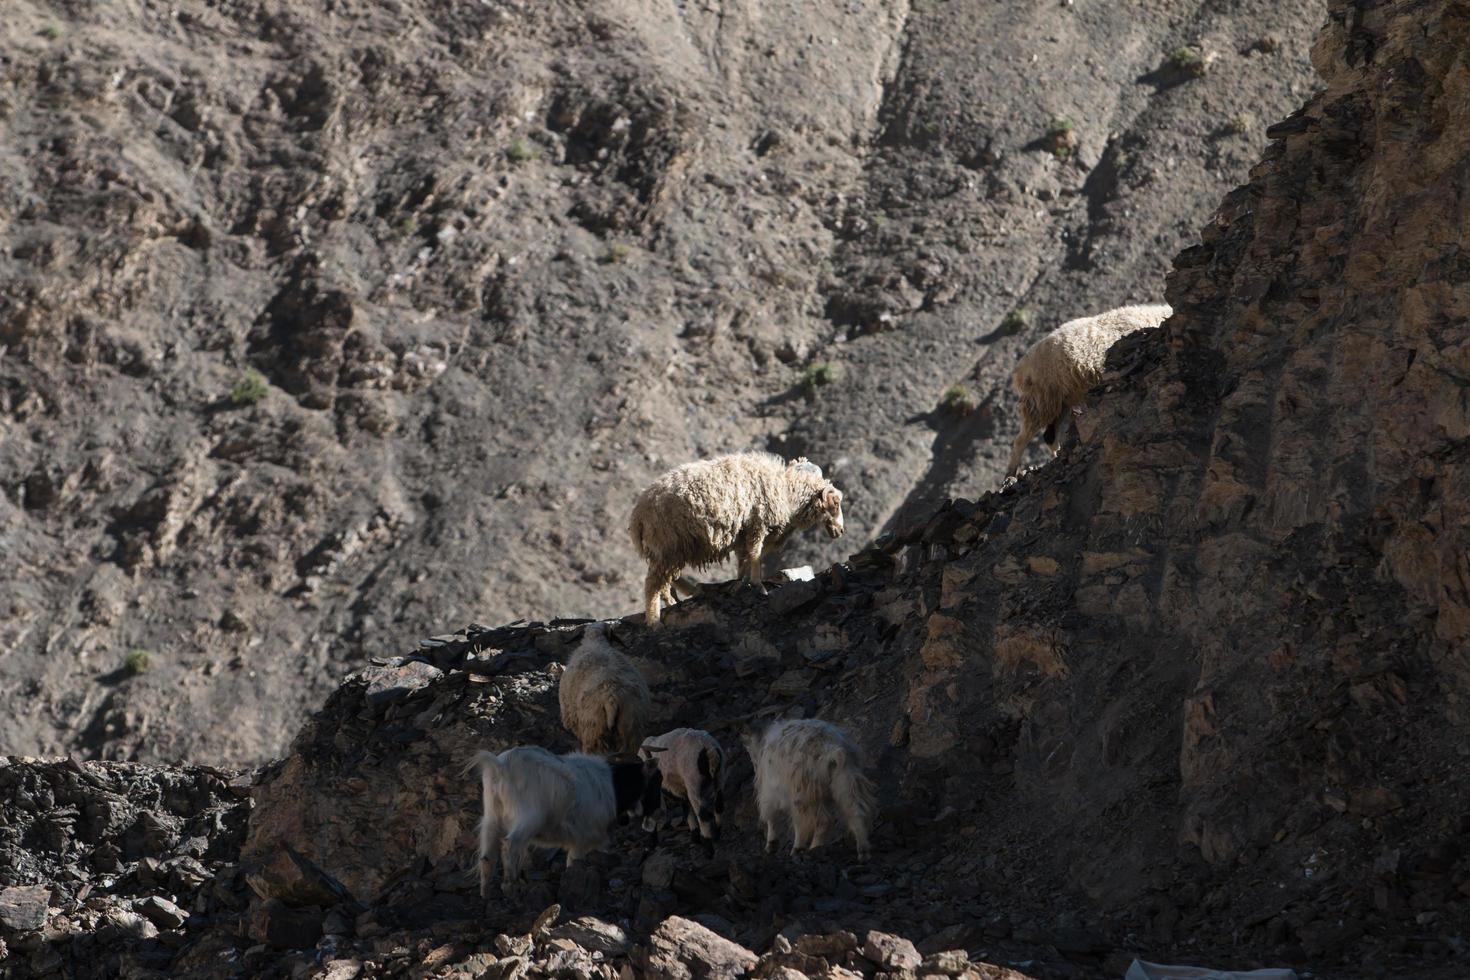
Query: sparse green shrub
{"type": "Point", "coordinates": [1016, 321]}
{"type": "Point", "coordinates": [616, 252]}
{"type": "Point", "coordinates": [1061, 138]}
{"type": "Point", "coordinates": [50, 32]}
{"type": "Point", "coordinates": [957, 400]}
{"type": "Point", "coordinates": [1240, 124]}
{"type": "Point", "coordinates": [818, 375]}
{"type": "Point", "coordinates": [521, 151]}
{"type": "Point", "coordinates": [250, 389]}
{"type": "Point", "coordinates": [1188, 61]}
{"type": "Point", "coordinates": [137, 662]}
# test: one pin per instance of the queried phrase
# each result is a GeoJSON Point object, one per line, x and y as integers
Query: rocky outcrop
{"type": "Point", "coordinates": [109, 867]}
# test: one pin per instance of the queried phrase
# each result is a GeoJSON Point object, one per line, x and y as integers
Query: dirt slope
{"type": "Point", "coordinates": [499, 263]}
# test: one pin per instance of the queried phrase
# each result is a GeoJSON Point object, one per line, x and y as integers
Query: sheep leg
{"type": "Point", "coordinates": [751, 561]}
{"type": "Point", "coordinates": [659, 579]}
{"type": "Point", "coordinates": [802, 829]}
{"type": "Point", "coordinates": [1054, 432]}
{"type": "Point", "coordinates": [819, 835]}
{"type": "Point", "coordinates": [770, 836]}
{"type": "Point", "coordinates": [1018, 448]}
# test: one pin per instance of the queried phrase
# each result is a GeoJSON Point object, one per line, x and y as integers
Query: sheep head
{"type": "Point", "coordinates": [829, 505]}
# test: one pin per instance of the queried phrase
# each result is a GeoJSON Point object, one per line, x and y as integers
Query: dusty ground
{"type": "Point", "coordinates": [497, 264]}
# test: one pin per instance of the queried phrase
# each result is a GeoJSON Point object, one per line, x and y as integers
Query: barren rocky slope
{"type": "Point", "coordinates": [498, 263]}
{"type": "Point", "coordinates": [1195, 691]}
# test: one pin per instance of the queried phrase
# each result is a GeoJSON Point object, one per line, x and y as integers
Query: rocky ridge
{"type": "Point", "coordinates": [296, 294]}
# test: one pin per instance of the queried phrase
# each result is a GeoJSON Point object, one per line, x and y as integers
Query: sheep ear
{"type": "Point", "coordinates": [831, 496]}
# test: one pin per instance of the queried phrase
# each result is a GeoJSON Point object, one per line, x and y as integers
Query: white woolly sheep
{"type": "Point", "coordinates": [693, 768]}
{"type": "Point", "coordinates": [744, 503]}
{"type": "Point", "coordinates": [605, 702]}
{"type": "Point", "coordinates": [533, 798]}
{"type": "Point", "coordinates": [1057, 371]}
{"type": "Point", "coordinates": [811, 771]}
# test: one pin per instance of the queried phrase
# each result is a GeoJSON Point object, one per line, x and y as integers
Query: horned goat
{"type": "Point", "coordinates": [604, 700]}
{"type": "Point", "coordinates": [746, 503]}
{"type": "Point", "coordinates": [811, 771]}
{"type": "Point", "coordinates": [531, 797]}
{"type": "Point", "coordinates": [1057, 371]}
{"type": "Point", "coordinates": [693, 768]}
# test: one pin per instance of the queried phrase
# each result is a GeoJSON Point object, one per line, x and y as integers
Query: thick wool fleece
{"type": "Point", "coordinates": [605, 702]}
{"type": "Point", "coordinates": [699, 513]}
{"type": "Point", "coordinates": [1058, 370]}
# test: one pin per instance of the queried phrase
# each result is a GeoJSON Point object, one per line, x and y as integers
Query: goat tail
{"type": "Point", "coordinates": [490, 769]}
{"type": "Point", "coordinates": [855, 797]}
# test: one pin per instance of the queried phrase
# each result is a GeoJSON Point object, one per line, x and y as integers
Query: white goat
{"type": "Point", "coordinates": [744, 503]}
{"type": "Point", "coordinates": [533, 798]}
{"type": "Point", "coordinates": [693, 768]}
{"type": "Point", "coordinates": [605, 702]}
{"type": "Point", "coordinates": [811, 771]}
{"type": "Point", "coordinates": [1058, 370]}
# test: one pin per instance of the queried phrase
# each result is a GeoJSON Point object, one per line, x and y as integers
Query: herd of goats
{"type": "Point", "coordinates": [807, 772]}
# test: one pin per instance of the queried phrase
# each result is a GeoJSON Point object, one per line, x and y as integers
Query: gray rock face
{"type": "Point", "coordinates": [891, 952]}
{"type": "Point", "coordinates": [683, 950]}
{"type": "Point", "coordinates": [23, 909]}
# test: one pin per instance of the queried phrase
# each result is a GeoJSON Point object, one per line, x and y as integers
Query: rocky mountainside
{"type": "Point", "coordinates": [1193, 692]}
{"type": "Point", "coordinates": [322, 324]}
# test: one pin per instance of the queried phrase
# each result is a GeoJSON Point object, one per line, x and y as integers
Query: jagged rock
{"type": "Point", "coordinates": [593, 934]}
{"type": "Point", "coordinates": [161, 912]}
{"type": "Point", "coordinates": [389, 684]}
{"type": "Point", "coordinates": [23, 909]}
{"type": "Point", "coordinates": [792, 596]}
{"type": "Point", "coordinates": [951, 963]}
{"type": "Point", "coordinates": [513, 945]}
{"type": "Point", "coordinates": [891, 952]}
{"type": "Point", "coordinates": [683, 950]}
{"type": "Point", "coordinates": [131, 924]}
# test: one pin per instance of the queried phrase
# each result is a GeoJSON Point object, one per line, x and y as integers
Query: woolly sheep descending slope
{"type": "Point", "coordinates": [1058, 370]}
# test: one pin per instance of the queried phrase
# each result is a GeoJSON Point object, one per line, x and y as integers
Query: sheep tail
{"type": "Point", "coordinates": [635, 531]}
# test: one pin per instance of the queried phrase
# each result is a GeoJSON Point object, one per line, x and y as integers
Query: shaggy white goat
{"type": "Point", "coordinates": [1059, 368]}
{"type": "Point", "coordinates": [604, 700]}
{"type": "Point", "coordinates": [744, 503]}
{"type": "Point", "coordinates": [811, 771]}
{"type": "Point", "coordinates": [533, 798]}
{"type": "Point", "coordinates": [693, 768]}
